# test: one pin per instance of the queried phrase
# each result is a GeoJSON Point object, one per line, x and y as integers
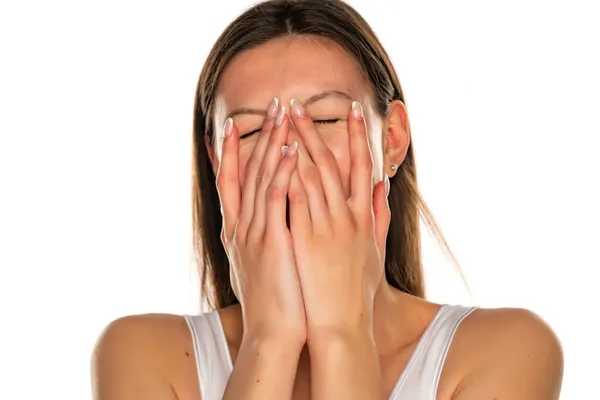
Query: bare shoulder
{"type": "Point", "coordinates": [147, 356]}
{"type": "Point", "coordinates": [507, 353]}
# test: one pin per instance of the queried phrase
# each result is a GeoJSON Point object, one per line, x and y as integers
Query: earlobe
{"type": "Point", "coordinates": [397, 137]}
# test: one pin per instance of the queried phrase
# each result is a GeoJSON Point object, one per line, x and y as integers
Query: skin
{"type": "Point", "coordinates": [289, 338]}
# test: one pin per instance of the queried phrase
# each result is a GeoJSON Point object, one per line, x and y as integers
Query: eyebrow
{"type": "Point", "coordinates": [308, 102]}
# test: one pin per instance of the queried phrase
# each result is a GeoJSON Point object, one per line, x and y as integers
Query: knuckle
{"type": "Point", "coordinates": [274, 194]}
{"type": "Point", "coordinates": [253, 165]}
{"type": "Point", "coordinates": [254, 238]}
{"type": "Point", "coordinates": [297, 197]}
{"type": "Point", "coordinates": [311, 176]}
{"type": "Point", "coordinates": [263, 177]}
{"type": "Point", "coordinates": [222, 181]}
{"type": "Point", "coordinates": [237, 236]}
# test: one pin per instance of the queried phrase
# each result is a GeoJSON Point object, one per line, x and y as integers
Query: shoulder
{"type": "Point", "coordinates": [143, 356]}
{"type": "Point", "coordinates": [506, 353]}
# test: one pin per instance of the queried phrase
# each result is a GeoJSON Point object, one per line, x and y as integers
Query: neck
{"type": "Point", "coordinates": [392, 311]}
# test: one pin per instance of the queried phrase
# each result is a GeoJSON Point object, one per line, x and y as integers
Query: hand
{"type": "Point", "coordinates": [339, 243]}
{"type": "Point", "coordinates": [255, 233]}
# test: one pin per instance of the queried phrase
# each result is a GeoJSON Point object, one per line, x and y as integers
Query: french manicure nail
{"type": "Point", "coordinates": [273, 107]}
{"type": "Point", "coordinates": [292, 149]}
{"type": "Point", "coordinates": [284, 150]}
{"type": "Point", "coordinates": [280, 114]}
{"type": "Point", "coordinates": [387, 185]}
{"type": "Point", "coordinates": [357, 110]}
{"type": "Point", "coordinates": [297, 107]}
{"type": "Point", "coordinates": [228, 126]}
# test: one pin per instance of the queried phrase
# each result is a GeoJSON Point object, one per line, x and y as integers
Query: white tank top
{"type": "Point", "coordinates": [418, 380]}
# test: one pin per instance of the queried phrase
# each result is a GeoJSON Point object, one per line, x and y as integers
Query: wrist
{"type": "Point", "coordinates": [274, 341]}
{"type": "Point", "coordinates": [350, 326]}
{"type": "Point", "coordinates": [327, 337]}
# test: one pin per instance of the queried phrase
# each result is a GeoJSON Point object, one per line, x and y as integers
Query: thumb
{"type": "Point", "coordinates": [381, 210]}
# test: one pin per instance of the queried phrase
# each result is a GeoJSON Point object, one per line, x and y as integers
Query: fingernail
{"type": "Point", "coordinates": [292, 149]}
{"type": "Point", "coordinates": [357, 111]}
{"type": "Point", "coordinates": [272, 109]}
{"type": "Point", "coordinates": [284, 150]}
{"type": "Point", "coordinates": [297, 107]}
{"type": "Point", "coordinates": [387, 185]}
{"type": "Point", "coordinates": [280, 114]}
{"type": "Point", "coordinates": [228, 126]}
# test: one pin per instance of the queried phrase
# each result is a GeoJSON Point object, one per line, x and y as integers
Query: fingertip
{"type": "Point", "coordinates": [230, 133]}
{"type": "Point", "coordinates": [387, 184]}
{"type": "Point", "coordinates": [380, 194]}
{"type": "Point", "coordinates": [281, 116]}
{"type": "Point", "coordinates": [292, 149]}
{"type": "Point", "coordinates": [357, 111]}
{"type": "Point", "coordinates": [228, 127]}
{"type": "Point", "coordinates": [273, 108]}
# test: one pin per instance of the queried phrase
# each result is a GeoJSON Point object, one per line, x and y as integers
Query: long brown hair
{"type": "Point", "coordinates": [336, 21]}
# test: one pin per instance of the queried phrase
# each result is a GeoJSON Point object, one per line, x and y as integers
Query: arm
{"type": "Point", "coordinates": [264, 369]}
{"type": "Point", "coordinates": [125, 365]}
{"type": "Point", "coordinates": [339, 246]}
{"type": "Point", "coordinates": [524, 363]}
{"type": "Point", "coordinates": [345, 366]}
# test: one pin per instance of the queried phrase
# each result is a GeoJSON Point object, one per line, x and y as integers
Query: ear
{"type": "Point", "coordinates": [211, 154]}
{"type": "Point", "coordinates": [397, 137]}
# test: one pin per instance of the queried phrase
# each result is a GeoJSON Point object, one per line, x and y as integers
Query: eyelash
{"type": "Point", "coordinates": [316, 121]}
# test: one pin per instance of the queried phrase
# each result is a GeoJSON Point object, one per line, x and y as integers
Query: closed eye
{"type": "Point", "coordinates": [316, 121]}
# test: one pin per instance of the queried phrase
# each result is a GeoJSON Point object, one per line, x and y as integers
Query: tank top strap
{"type": "Point", "coordinates": [419, 379]}
{"type": "Point", "coordinates": [213, 361]}
{"type": "Point", "coordinates": [421, 376]}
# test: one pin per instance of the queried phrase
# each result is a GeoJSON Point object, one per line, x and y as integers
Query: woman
{"type": "Point", "coordinates": [307, 229]}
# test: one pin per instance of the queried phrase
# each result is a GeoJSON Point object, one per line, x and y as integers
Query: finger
{"type": "Point", "coordinates": [313, 187]}
{"type": "Point", "coordinates": [320, 154]}
{"type": "Point", "coordinates": [300, 218]}
{"type": "Point", "coordinates": [382, 213]}
{"type": "Point", "coordinates": [227, 180]}
{"type": "Point", "coordinates": [273, 155]}
{"type": "Point", "coordinates": [277, 191]}
{"type": "Point", "coordinates": [361, 162]}
{"type": "Point", "coordinates": [249, 190]}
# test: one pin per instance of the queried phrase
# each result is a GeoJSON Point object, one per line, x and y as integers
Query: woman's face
{"type": "Point", "coordinates": [321, 74]}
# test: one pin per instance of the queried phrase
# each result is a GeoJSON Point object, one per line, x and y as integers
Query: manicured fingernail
{"type": "Point", "coordinates": [387, 185]}
{"type": "Point", "coordinates": [284, 150]}
{"type": "Point", "coordinates": [297, 107]}
{"type": "Point", "coordinates": [228, 127]}
{"type": "Point", "coordinates": [357, 111]}
{"type": "Point", "coordinates": [280, 114]}
{"type": "Point", "coordinates": [292, 149]}
{"type": "Point", "coordinates": [272, 109]}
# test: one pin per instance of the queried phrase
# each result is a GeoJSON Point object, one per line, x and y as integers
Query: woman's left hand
{"type": "Point", "coordinates": [339, 242]}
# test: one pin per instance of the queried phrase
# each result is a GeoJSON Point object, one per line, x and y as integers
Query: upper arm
{"type": "Point", "coordinates": [519, 358]}
{"type": "Point", "coordinates": [125, 365]}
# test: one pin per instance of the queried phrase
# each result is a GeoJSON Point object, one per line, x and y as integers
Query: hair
{"type": "Point", "coordinates": [340, 23]}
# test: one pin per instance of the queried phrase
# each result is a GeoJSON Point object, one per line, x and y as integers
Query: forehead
{"type": "Point", "coordinates": [288, 67]}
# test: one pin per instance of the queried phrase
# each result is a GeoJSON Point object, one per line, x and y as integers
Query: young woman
{"type": "Point", "coordinates": [306, 216]}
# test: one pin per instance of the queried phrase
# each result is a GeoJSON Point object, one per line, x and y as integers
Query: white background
{"type": "Point", "coordinates": [95, 123]}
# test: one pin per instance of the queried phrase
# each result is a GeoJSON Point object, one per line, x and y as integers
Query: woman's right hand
{"type": "Point", "coordinates": [255, 233]}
